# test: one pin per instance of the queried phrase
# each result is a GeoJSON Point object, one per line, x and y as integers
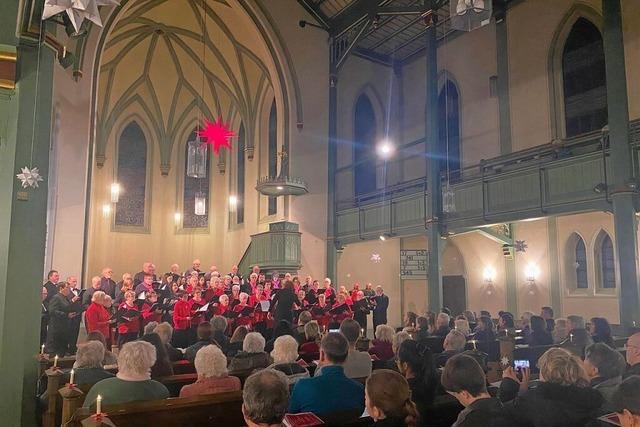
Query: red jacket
{"type": "Point", "coordinates": [127, 326]}
{"type": "Point", "coordinates": [242, 320]}
{"type": "Point", "coordinates": [181, 314]}
{"type": "Point", "coordinates": [97, 318]}
{"type": "Point", "coordinates": [149, 316]}
{"type": "Point", "coordinates": [197, 317]}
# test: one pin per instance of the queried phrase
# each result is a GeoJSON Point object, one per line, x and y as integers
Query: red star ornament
{"type": "Point", "coordinates": [216, 134]}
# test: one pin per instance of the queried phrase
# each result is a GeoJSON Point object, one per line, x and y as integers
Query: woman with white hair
{"type": "Point", "coordinates": [165, 332]}
{"type": "Point", "coordinates": [88, 368]}
{"type": "Point", "coordinates": [252, 355]}
{"type": "Point", "coordinates": [244, 311]}
{"type": "Point", "coordinates": [462, 325]}
{"type": "Point", "coordinates": [382, 345]}
{"type": "Point", "coordinates": [97, 316]}
{"type": "Point", "coordinates": [213, 376]}
{"type": "Point", "coordinates": [133, 381]}
{"type": "Point", "coordinates": [285, 355]}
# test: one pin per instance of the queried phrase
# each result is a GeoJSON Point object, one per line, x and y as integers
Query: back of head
{"type": "Point", "coordinates": [154, 339]}
{"type": "Point", "coordinates": [627, 397]}
{"type": "Point", "coordinates": [164, 331]}
{"type": "Point", "coordinates": [442, 320]}
{"type": "Point", "coordinates": [547, 311]}
{"type": "Point", "coordinates": [265, 397]}
{"type": "Point", "coordinates": [204, 331]}
{"type": "Point", "coordinates": [389, 392]}
{"type": "Point", "coordinates": [285, 349]}
{"type": "Point", "coordinates": [253, 343]}
{"type": "Point", "coordinates": [398, 339]}
{"type": "Point", "coordinates": [575, 322]}
{"type": "Point", "coordinates": [384, 333]}
{"type": "Point", "coordinates": [351, 330]}
{"type": "Point", "coordinates": [311, 330]}
{"type": "Point", "coordinates": [609, 362]}
{"type": "Point", "coordinates": [558, 366]}
{"type": "Point", "coordinates": [218, 323]}
{"type": "Point", "coordinates": [423, 323]}
{"type": "Point", "coordinates": [304, 318]}
{"type": "Point", "coordinates": [507, 320]}
{"type": "Point", "coordinates": [601, 327]}
{"type": "Point", "coordinates": [97, 336]}
{"type": "Point", "coordinates": [150, 327]}
{"type": "Point", "coordinates": [335, 347]}
{"type": "Point", "coordinates": [89, 355]}
{"type": "Point", "coordinates": [210, 362]}
{"type": "Point", "coordinates": [136, 358]}
{"type": "Point", "coordinates": [462, 325]}
{"type": "Point", "coordinates": [464, 373]}
{"type": "Point", "coordinates": [538, 324]}
{"type": "Point", "coordinates": [455, 341]}
{"type": "Point", "coordinates": [418, 359]}
{"type": "Point", "coordinates": [239, 334]}
{"type": "Point", "coordinates": [487, 323]}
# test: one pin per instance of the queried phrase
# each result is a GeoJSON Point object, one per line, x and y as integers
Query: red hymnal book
{"type": "Point", "coordinates": [305, 419]}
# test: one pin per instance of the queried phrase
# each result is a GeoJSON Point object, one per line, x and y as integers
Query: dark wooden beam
{"type": "Point", "coordinates": [317, 14]}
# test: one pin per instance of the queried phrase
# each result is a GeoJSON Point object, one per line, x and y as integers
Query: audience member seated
{"type": "Point", "coordinates": [133, 381]}
{"type": "Point", "coordinates": [604, 367]}
{"type": "Point", "coordinates": [506, 325]}
{"type": "Point", "coordinates": [165, 332]}
{"type": "Point", "coordinates": [547, 314]}
{"type": "Point", "coordinates": [162, 367]}
{"type": "Point", "coordinates": [310, 345]}
{"type": "Point", "coordinates": [525, 323]}
{"type": "Point", "coordinates": [265, 398]}
{"type": "Point", "coordinates": [601, 331]}
{"type": "Point", "coordinates": [462, 325]}
{"type": "Point", "coordinates": [453, 344]}
{"type": "Point", "coordinates": [560, 331]}
{"type": "Point", "coordinates": [539, 334]}
{"type": "Point", "coordinates": [442, 325]}
{"type": "Point", "coordinates": [205, 338]}
{"type": "Point", "coordinates": [398, 339]}
{"type": "Point", "coordinates": [415, 363]}
{"type": "Point", "coordinates": [422, 329]}
{"type": "Point", "coordinates": [150, 327]}
{"type": "Point", "coordinates": [285, 355]}
{"type": "Point", "coordinates": [464, 379]}
{"type": "Point", "coordinates": [633, 355]}
{"type": "Point", "coordinates": [88, 367]}
{"type": "Point", "coordinates": [563, 397]}
{"type": "Point", "coordinates": [109, 359]}
{"type": "Point", "coordinates": [382, 345]}
{"type": "Point", "coordinates": [282, 328]}
{"type": "Point", "coordinates": [236, 342]}
{"type": "Point", "coordinates": [410, 322]}
{"type": "Point", "coordinates": [218, 328]}
{"type": "Point", "coordinates": [252, 355]}
{"type": "Point", "coordinates": [331, 391]}
{"type": "Point", "coordinates": [626, 401]}
{"type": "Point", "coordinates": [304, 318]}
{"type": "Point", "coordinates": [484, 330]}
{"type": "Point", "coordinates": [388, 400]}
{"type": "Point", "coordinates": [358, 363]}
{"type": "Point", "coordinates": [578, 338]}
{"type": "Point", "coordinates": [213, 377]}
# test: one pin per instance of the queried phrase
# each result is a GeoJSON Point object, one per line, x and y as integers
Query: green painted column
{"type": "Point", "coordinates": [434, 207]}
{"type": "Point", "coordinates": [25, 113]}
{"type": "Point", "coordinates": [554, 266]}
{"type": "Point", "coordinates": [504, 108]}
{"type": "Point", "coordinates": [622, 173]}
{"type": "Point", "coordinates": [332, 253]}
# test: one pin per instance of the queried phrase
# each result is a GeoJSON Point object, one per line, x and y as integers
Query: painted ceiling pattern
{"type": "Point", "coordinates": [175, 61]}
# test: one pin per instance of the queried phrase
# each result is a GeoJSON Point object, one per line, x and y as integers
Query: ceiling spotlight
{"type": "Point", "coordinates": [385, 149]}
{"type": "Point", "coordinates": [279, 188]}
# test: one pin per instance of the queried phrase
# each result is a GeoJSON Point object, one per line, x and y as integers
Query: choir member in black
{"type": "Point", "coordinates": [308, 281]}
{"type": "Point", "coordinates": [146, 285]}
{"type": "Point", "coordinates": [74, 297]}
{"type": "Point", "coordinates": [361, 307]}
{"type": "Point", "coordinates": [250, 287]}
{"type": "Point", "coordinates": [126, 284]}
{"type": "Point", "coordinates": [380, 310]}
{"type": "Point", "coordinates": [282, 303]}
{"type": "Point", "coordinates": [215, 290]}
{"type": "Point", "coordinates": [174, 271]}
{"type": "Point", "coordinates": [128, 319]}
{"type": "Point", "coordinates": [339, 311]}
{"type": "Point", "coordinates": [234, 298]}
{"type": "Point", "coordinates": [51, 285]}
{"type": "Point", "coordinates": [147, 268]}
{"type": "Point", "coordinates": [88, 295]}
{"type": "Point", "coordinates": [320, 312]}
{"type": "Point", "coordinates": [300, 305]}
{"type": "Point", "coordinates": [234, 272]}
{"type": "Point", "coordinates": [60, 313]}
{"type": "Point", "coordinates": [312, 293]}
{"type": "Point", "coordinates": [107, 284]}
{"type": "Point", "coordinates": [368, 291]}
{"type": "Point", "coordinates": [44, 318]}
{"type": "Point", "coordinates": [195, 267]}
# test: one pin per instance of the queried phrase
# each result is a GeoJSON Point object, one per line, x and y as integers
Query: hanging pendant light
{"type": "Point", "coordinates": [200, 205]}
{"type": "Point", "coordinates": [448, 199]}
{"type": "Point", "coordinates": [467, 15]}
{"type": "Point", "coordinates": [197, 159]}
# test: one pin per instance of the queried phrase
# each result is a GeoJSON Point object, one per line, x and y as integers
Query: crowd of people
{"type": "Point", "coordinates": [582, 375]}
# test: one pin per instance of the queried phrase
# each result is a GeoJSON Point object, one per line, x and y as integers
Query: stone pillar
{"type": "Point", "coordinates": [622, 191]}
{"type": "Point", "coordinates": [434, 208]}
{"type": "Point", "coordinates": [332, 253]}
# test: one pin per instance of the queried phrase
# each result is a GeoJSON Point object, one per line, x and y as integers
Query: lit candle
{"type": "Point", "coordinates": [474, 345]}
{"type": "Point", "coordinates": [99, 404]}
{"type": "Point", "coordinates": [71, 377]}
{"type": "Point", "coordinates": [42, 349]}
{"type": "Point", "coordinates": [362, 331]}
{"type": "Point", "coordinates": [55, 361]}
{"type": "Point", "coordinates": [571, 338]}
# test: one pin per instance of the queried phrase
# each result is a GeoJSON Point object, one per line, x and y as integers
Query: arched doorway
{"type": "Point", "coordinates": [454, 285]}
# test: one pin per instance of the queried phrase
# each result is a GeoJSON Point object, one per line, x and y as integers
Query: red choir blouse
{"type": "Point", "coordinates": [181, 315]}
{"type": "Point", "coordinates": [128, 326]}
{"type": "Point", "coordinates": [97, 318]}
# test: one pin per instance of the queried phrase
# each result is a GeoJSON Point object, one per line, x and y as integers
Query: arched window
{"type": "Point", "coordinates": [132, 177]}
{"type": "Point", "coordinates": [193, 186]}
{"type": "Point", "coordinates": [364, 136]}
{"type": "Point", "coordinates": [273, 154]}
{"type": "Point", "coordinates": [605, 261]}
{"type": "Point", "coordinates": [576, 271]}
{"type": "Point", "coordinates": [582, 281]}
{"type": "Point", "coordinates": [449, 130]}
{"type": "Point", "coordinates": [240, 175]}
{"type": "Point", "coordinates": [584, 79]}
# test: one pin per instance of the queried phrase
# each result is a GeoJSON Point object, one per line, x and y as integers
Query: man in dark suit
{"type": "Point", "coordinates": [147, 268]}
{"type": "Point", "coordinates": [52, 286]}
{"type": "Point", "coordinates": [107, 284]}
{"type": "Point", "coordinates": [380, 310]}
{"type": "Point", "coordinates": [76, 307]}
{"type": "Point", "coordinates": [60, 312]}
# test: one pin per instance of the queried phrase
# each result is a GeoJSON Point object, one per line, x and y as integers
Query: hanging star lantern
{"type": "Point", "coordinates": [521, 246]}
{"type": "Point", "coordinates": [77, 10]}
{"type": "Point", "coordinates": [29, 177]}
{"type": "Point", "coordinates": [216, 134]}
{"type": "Point", "coordinates": [504, 361]}
{"type": "Point", "coordinates": [376, 258]}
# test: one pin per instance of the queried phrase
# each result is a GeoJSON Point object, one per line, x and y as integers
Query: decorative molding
{"type": "Point", "coordinates": [8, 67]}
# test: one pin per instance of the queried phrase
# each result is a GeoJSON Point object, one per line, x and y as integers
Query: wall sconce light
{"type": "Point", "coordinates": [200, 204]}
{"type": "Point", "coordinates": [115, 192]}
{"type": "Point", "coordinates": [385, 149]}
{"type": "Point", "coordinates": [106, 210]}
{"type": "Point", "coordinates": [531, 274]}
{"type": "Point", "coordinates": [177, 217]}
{"type": "Point", "coordinates": [489, 275]}
{"type": "Point", "coordinates": [233, 203]}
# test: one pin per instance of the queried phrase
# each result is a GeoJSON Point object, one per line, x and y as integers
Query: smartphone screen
{"type": "Point", "coordinates": [519, 364]}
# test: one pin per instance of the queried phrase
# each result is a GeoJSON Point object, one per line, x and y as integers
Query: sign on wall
{"type": "Point", "coordinates": [413, 263]}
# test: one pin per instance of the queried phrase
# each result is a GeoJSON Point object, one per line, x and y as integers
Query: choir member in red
{"type": "Point", "coordinates": [97, 316]}
{"type": "Point", "coordinates": [222, 307]}
{"type": "Point", "coordinates": [340, 311]}
{"type": "Point", "coordinates": [296, 285]}
{"type": "Point", "coordinates": [275, 280]}
{"type": "Point", "coordinates": [320, 312]}
{"type": "Point", "coordinates": [181, 320]}
{"type": "Point", "coordinates": [253, 282]}
{"type": "Point", "coordinates": [267, 289]}
{"type": "Point", "coordinates": [257, 296]}
{"type": "Point", "coordinates": [192, 283]}
{"type": "Point", "coordinates": [243, 319]}
{"type": "Point", "coordinates": [126, 285]}
{"type": "Point", "coordinates": [259, 315]}
{"type": "Point", "coordinates": [197, 316]}
{"type": "Point", "coordinates": [347, 296]}
{"type": "Point", "coordinates": [216, 288]}
{"type": "Point", "coordinates": [329, 292]}
{"type": "Point", "coordinates": [308, 281]}
{"type": "Point", "coordinates": [234, 298]}
{"type": "Point", "coordinates": [149, 312]}
{"type": "Point", "coordinates": [354, 291]}
{"type": "Point", "coordinates": [301, 303]}
{"type": "Point", "coordinates": [128, 319]}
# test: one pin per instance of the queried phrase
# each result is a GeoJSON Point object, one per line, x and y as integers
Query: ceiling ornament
{"type": "Point", "coordinates": [77, 10]}
{"type": "Point", "coordinates": [29, 177]}
{"type": "Point", "coordinates": [217, 134]}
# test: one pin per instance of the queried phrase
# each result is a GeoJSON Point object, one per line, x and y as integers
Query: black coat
{"type": "Point", "coordinates": [283, 301]}
{"type": "Point", "coordinates": [550, 404]}
{"type": "Point", "coordinates": [52, 290]}
{"type": "Point", "coordinates": [487, 412]}
{"type": "Point", "coordinates": [59, 309]}
{"type": "Point", "coordinates": [380, 310]}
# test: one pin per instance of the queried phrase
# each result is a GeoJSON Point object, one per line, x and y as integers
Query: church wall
{"type": "Point", "coordinates": [631, 34]}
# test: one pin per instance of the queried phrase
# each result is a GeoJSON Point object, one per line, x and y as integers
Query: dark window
{"type": "Point", "coordinates": [584, 79]}
{"type": "Point", "coordinates": [364, 136]}
{"type": "Point", "coordinates": [581, 264]}
{"type": "Point", "coordinates": [193, 186]}
{"type": "Point", "coordinates": [607, 263]}
{"type": "Point", "coordinates": [240, 175]}
{"type": "Point", "coordinates": [449, 130]}
{"type": "Point", "coordinates": [273, 154]}
{"type": "Point", "coordinates": [132, 176]}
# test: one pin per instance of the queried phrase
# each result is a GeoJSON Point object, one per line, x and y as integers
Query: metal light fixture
{"type": "Point", "coordinates": [489, 275]}
{"type": "Point", "coordinates": [197, 159]}
{"type": "Point", "coordinates": [385, 149]}
{"type": "Point", "coordinates": [177, 217]}
{"type": "Point", "coordinates": [115, 192]}
{"type": "Point", "coordinates": [106, 210]}
{"type": "Point", "coordinates": [467, 15]}
{"type": "Point", "coordinates": [233, 203]}
{"type": "Point", "coordinates": [448, 199]}
{"type": "Point", "coordinates": [200, 205]}
{"type": "Point", "coordinates": [531, 273]}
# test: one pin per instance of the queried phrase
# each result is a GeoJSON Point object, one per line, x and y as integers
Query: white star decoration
{"type": "Point", "coordinates": [77, 10]}
{"type": "Point", "coordinates": [376, 258]}
{"type": "Point", "coordinates": [504, 361]}
{"type": "Point", "coordinates": [29, 177]}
